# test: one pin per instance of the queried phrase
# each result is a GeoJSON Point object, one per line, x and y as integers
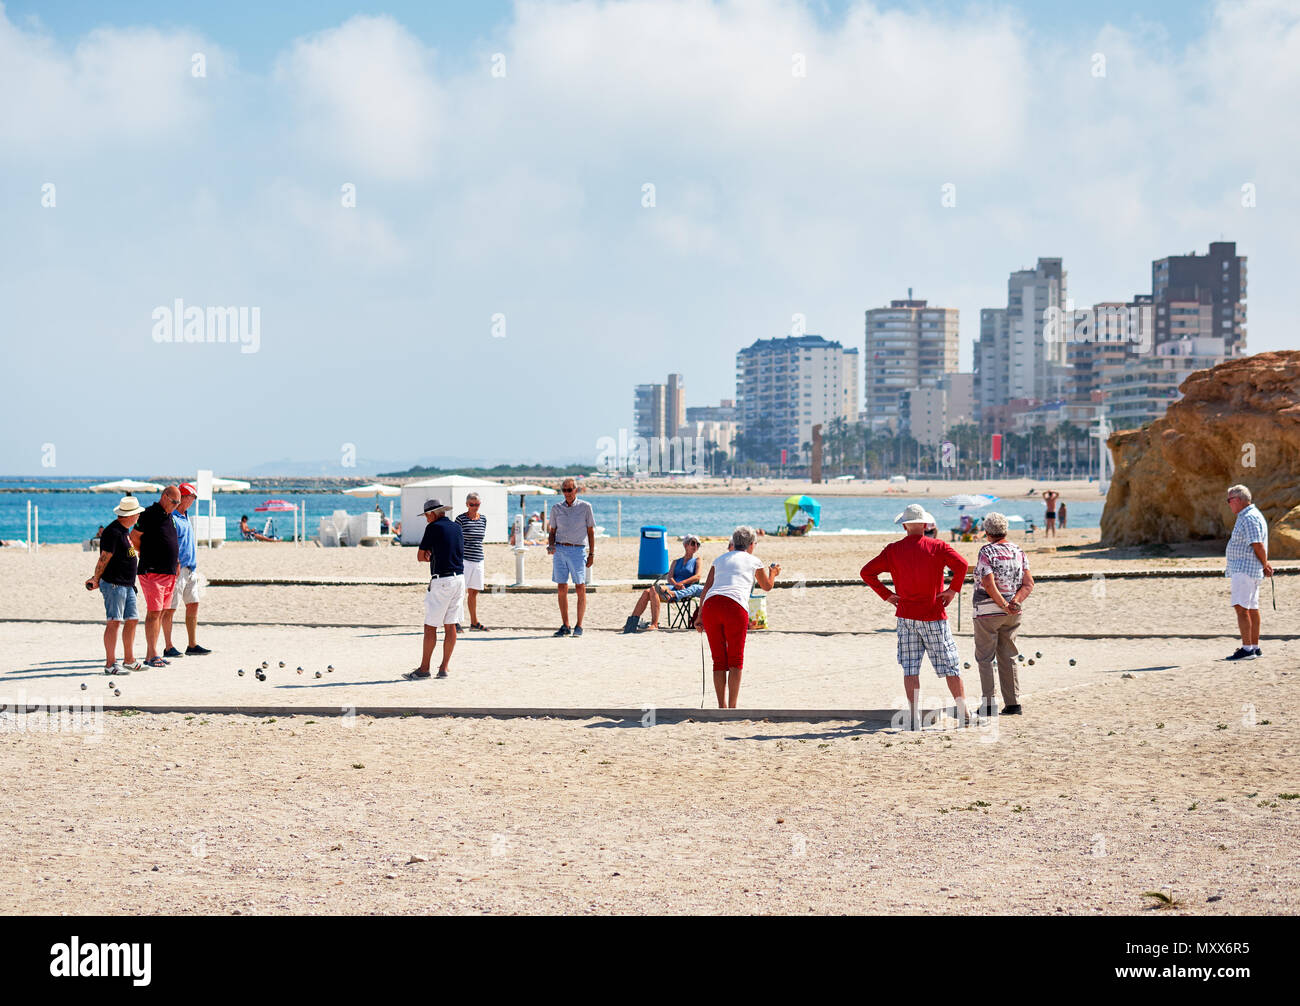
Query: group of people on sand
{"type": "Point", "coordinates": [153, 547]}
{"type": "Point", "coordinates": [156, 547]}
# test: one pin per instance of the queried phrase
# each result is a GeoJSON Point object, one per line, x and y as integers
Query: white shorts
{"type": "Point", "coordinates": [1245, 591]}
{"type": "Point", "coordinates": [474, 574]}
{"type": "Point", "coordinates": [442, 600]}
{"type": "Point", "coordinates": [188, 589]}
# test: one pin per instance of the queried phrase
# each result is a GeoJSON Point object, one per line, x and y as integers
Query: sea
{"type": "Point", "coordinates": [69, 513]}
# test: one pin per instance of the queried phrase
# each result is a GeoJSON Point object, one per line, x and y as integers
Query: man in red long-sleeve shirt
{"type": "Point", "coordinates": [916, 564]}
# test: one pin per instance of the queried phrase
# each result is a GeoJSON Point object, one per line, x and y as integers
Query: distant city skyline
{"type": "Point", "coordinates": [462, 244]}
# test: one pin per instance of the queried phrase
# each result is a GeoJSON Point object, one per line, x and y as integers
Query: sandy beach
{"type": "Point", "coordinates": [1150, 764]}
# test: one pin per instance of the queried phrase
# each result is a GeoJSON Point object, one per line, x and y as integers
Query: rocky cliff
{"type": "Point", "coordinates": [1237, 422]}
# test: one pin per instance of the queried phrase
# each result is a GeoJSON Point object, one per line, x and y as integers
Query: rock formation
{"type": "Point", "coordinates": [1238, 422]}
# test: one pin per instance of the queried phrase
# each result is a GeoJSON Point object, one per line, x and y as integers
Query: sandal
{"type": "Point", "coordinates": [155, 662]}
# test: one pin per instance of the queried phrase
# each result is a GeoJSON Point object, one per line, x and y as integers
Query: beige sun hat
{"type": "Point", "coordinates": [128, 507]}
{"type": "Point", "coordinates": [914, 513]}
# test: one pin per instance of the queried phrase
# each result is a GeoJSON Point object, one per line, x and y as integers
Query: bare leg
{"type": "Point", "coordinates": [733, 686]}
{"type": "Point", "coordinates": [959, 694]}
{"type": "Point", "coordinates": [152, 622]}
{"type": "Point", "coordinates": [110, 642]}
{"type": "Point", "coordinates": [430, 641]}
{"type": "Point", "coordinates": [167, 615]}
{"type": "Point", "coordinates": [192, 623]}
{"type": "Point", "coordinates": [1253, 615]}
{"type": "Point", "coordinates": [128, 640]}
{"type": "Point", "coordinates": [581, 590]}
{"type": "Point", "coordinates": [720, 686]}
{"type": "Point", "coordinates": [1243, 624]}
{"type": "Point", "coordinates": [912, 686]}
{"type": "Point", "coordinates": [655, 605]}
{"type": "Point", "coordinates": [448, 644]}
{"type": "Point", "coordinates": [562, 591]}
{"type": "Point", "coordinates": [642, 601]}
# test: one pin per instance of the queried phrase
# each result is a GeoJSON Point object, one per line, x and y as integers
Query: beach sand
{"type": "Point", "coordinates": [1149, 765]}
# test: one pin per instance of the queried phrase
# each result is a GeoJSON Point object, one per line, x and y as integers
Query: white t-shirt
{"type": "Point", "coordinates": [733, 577]}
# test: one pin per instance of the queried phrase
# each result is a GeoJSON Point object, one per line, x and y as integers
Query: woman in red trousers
{"type": "Point", "coordinates": [724, 610]}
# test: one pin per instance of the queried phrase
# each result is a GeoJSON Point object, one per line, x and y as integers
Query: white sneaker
{"type": "Point", "coordinates": [117, 668]}
{"type": "Point", "coordinates": [135, 665]}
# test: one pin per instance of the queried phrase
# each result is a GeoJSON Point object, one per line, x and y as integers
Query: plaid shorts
{"type": "Point", "coordinates": [916, 638]}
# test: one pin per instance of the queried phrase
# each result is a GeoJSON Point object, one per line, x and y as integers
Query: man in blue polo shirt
{"type": "Point", "coordinates": [189, 581]}
{"type": "Point", "coordinates": [443, 548]}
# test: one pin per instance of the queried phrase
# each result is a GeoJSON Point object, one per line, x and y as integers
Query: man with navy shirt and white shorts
{"type": "Point", "coordinates": [443, 548]}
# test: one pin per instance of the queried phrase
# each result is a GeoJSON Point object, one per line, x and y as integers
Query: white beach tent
{"type": "Point", "coordinates": [453, 489]}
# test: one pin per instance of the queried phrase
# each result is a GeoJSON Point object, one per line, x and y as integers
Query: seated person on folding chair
{"type": "Point", "coordinates": [681, 583]}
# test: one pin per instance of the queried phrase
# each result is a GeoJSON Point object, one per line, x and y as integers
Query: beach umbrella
{"type": "Point", "coordinates": [972, 500]}
{"type": "Point", "coordinates": [376, 489]}
{"type": "Point", "coordinates": [127, 487]}
{"type": "Point", "coordinates": [372, 490]}
{"type": "Point", "coordinates": [275, 506]}
{"type": "Point", "coordinates": [230, 485]}
{"type": "Point", "coordinates": [527, 490]}
{"type": "Point", "coordinates": [805, 503]}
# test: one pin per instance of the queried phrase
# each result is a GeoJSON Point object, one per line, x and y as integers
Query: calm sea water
{"type": "Point", "coordinates": [74, 516]}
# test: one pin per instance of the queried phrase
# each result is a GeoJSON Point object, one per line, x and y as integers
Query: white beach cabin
{"type": "Point", "coordinates": [453, 489]}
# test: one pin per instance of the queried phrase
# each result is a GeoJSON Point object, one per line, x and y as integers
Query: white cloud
{"type": "Point", "coordinates": [365, 96]}
{"type": "Point", "coordinates": [116, 86]}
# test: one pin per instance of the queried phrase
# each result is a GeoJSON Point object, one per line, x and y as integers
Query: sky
{"type": "Point", "coordinates": [440, 213]}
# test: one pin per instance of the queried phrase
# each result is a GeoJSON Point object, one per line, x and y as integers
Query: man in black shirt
{"type": "Point", "coordinates": [155, 537]}
{"type": "Point", "coordinates": [114, 578]}
{"type": "Point", "coordinates": [443, 548]}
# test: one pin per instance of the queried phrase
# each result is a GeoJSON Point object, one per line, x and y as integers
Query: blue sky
{"type": "Point", "coordinates": [519, 197]}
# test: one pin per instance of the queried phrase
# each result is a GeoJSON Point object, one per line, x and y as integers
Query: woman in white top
{"type": "Point", "coordinates": [724, 610]}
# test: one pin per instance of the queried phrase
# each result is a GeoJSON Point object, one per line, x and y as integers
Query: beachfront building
{"type": "Point", "coordinates": [659, 410]}
{"type": "Point", "coordinates": [909, 345]}
{"type": "Point", "coordinates": [927, 414]}
{"type": "Point", "coordinates": [1138, 391]}
{"type": "Point", "coordinates": [784, 387]}
{"type": "Point", "coordinates": [723, 412]}
{"type": "Point", "coordinates": [1013, 359]}
{"type": "Point", "coordinates": [1106, 339]}
{"type": "Point", "coordinates": [1199, 296]}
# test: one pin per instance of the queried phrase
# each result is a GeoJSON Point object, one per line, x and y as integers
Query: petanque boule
{"type": "Point", "coordinates": [117, 691]}
{"type": "Point", "coordinates": [1031, 661]}
{"type": "Point", "coordinates": [281, 663]}
{"type": "Point", "coordinates": [318, 674]}
{"type": "Point", "coordinates": [241, 672]}
{"type": "Point", "coordinates": [83, 686]}
{"type": "Point", "coordinates": [1072, 661]}
{"type": "Point", "coordinates": [330, 668]}
{"type": "Point", "coordinates": [1038, 654]}
{"type": "Point", "coordinates": [299, 670]}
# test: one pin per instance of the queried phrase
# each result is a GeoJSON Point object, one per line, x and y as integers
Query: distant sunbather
{"type": "Point", "coordinates": [248, 533]}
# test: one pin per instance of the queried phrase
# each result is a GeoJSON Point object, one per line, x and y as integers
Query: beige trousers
{"type": "Point", "coordinates": [995, 636]}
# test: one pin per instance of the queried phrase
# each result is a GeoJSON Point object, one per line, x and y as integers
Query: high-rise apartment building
{"type": "Point", "coordinates": [1190, 290]}
{"type": "Point", "coordinates": [1138, 391]}
{"type": "Point", "coordinates": [929, 413]}
{"type": "Point", "coordinates": [909, 345]}
{"type": "Point", "coordinates": [659, 410]}
{"type": "Point", "coordinates": [1013, 359]}
{"type": "Point", "coordinates": [784, 387]}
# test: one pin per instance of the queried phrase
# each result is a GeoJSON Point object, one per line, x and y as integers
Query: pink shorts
{"type": "Point", "coordinates": [157, 589]}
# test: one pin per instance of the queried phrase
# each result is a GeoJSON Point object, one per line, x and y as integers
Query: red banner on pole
{"type": "Point", "coordinates": [785, 455]}
{"type": "Point", "coordinates": [997, 447]}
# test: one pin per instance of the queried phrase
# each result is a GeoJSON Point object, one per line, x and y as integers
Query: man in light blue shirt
{"type": "Point", "coordinates": [1247, 566]}
{"type": "Point", "coordinates": [189, 581]}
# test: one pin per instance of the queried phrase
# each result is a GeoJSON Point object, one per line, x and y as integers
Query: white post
{"type": "Point", "coordinates": [519, 549]}
{"type": "Point", "coordinates": [36, 527]}
{"type": "Point", "coordinates": [29, 526]}
{"type": "Point", "coordinates": [620, 520]}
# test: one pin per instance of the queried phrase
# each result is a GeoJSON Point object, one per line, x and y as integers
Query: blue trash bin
{"type": "Point", "coordinates": [654, 552]}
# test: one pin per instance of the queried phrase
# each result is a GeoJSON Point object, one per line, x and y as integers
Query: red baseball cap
{"type": "Point", "coordinates": [188, 490]}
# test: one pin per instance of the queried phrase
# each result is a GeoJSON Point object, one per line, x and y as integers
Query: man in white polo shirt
{"type": "Point", "coordinates": [569, 521]}
{"type": "Point", "coordinates": [1247, 566]}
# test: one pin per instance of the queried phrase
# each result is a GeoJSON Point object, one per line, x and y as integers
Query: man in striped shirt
{"type": "Point", "coordinates": [474, 528]}
{"type": "Point", "coordinates": [1247, 566]}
